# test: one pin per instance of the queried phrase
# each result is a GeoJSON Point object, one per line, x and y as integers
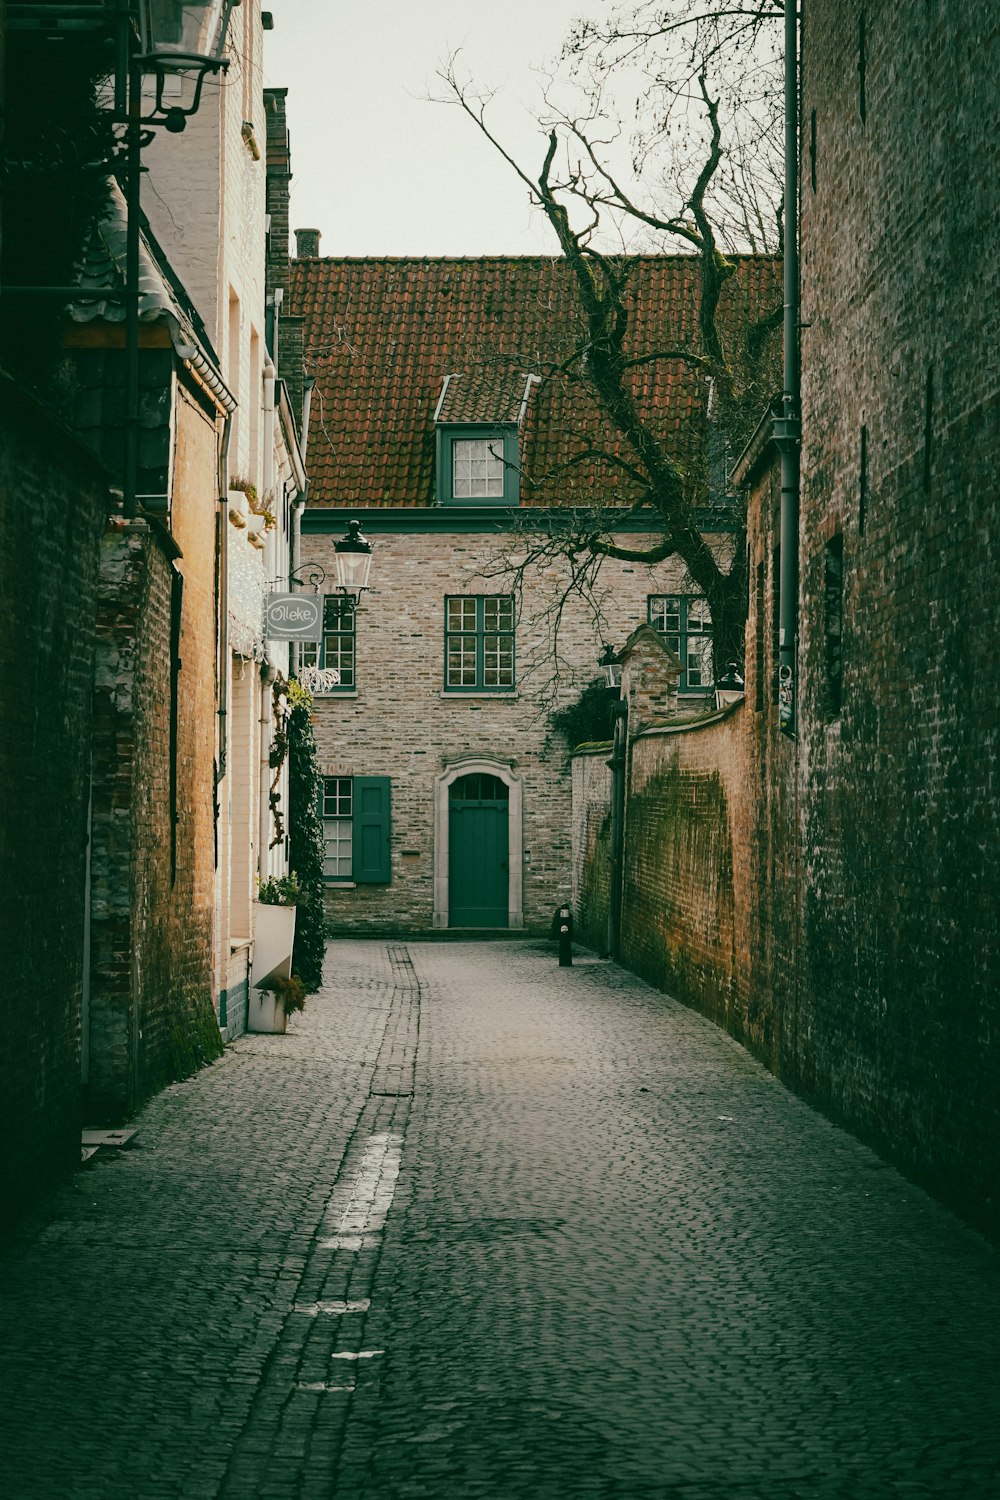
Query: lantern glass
{"type": "Point", "coordinates": [354, 559]}
{"type": "Point", "coordinates": [178, 34]}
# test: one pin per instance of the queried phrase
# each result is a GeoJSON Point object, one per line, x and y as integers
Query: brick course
{"type": "Point", "coordinates": [55, 502]}
{"type": "Point", "coordinates": [833, 902]}
{"type": "Point", "coordinates": [401, 724]}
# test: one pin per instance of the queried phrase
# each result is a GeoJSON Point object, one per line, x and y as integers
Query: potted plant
{"type": "Point", "coordinates": [274, 933]}
{"type": "Point", "coordinates": [274, 1001]}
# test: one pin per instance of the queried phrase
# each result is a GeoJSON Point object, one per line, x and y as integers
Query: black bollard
{"type": "Point", "coordinates": [565, 938]}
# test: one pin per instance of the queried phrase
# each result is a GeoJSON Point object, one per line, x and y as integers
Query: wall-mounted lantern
{"type": "Point", "coordinates": [181, 41]}
{"type": "Point", "coordinates": [354, 560]}
{"type": "Point", "coordinates": [729, 688]}
{"type": "Point", "coordinates": [611, 667]}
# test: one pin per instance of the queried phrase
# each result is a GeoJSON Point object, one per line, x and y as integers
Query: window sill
{"type": "Point", "coordinates": [237, 944]}
{"type": "Point", "coordinates": [460, 694]}
{"type": "Point", "coordinates": [333, 884]}
{"type": "Point", "coordinates": [350, 693]}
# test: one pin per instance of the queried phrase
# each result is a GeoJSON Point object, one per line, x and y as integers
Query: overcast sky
{"type": "Point", "coordinates": [379, 170]}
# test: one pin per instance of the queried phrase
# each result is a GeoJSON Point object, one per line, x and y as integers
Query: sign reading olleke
{"type": "Point", "coordinates": [293, 617]}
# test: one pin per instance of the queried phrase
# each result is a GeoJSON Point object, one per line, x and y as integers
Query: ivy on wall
{"type": "Point", "coordinates": [305, 832]}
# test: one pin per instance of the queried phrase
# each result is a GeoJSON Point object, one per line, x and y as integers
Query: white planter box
{"type": "Point", "coordinates": [266, 1012]}
{"type": "Point", "coordinates": [274, 932]}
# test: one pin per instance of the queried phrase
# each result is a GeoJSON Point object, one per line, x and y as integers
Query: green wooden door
{"type": "Point", "coordinates": [478, 880]}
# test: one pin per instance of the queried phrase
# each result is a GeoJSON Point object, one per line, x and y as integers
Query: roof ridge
{"type": "Point", "coordinates": [437, 260]}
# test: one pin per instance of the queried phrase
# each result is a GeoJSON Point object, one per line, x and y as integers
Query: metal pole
{"type": "Point", "coordinates": [788, 427]}
{"type": "Point", "coordinates": [565, 938]}
{"type": "Point", "coordinates": [617, 765]}
{"type": "Point", "coordinates": [133, 181]}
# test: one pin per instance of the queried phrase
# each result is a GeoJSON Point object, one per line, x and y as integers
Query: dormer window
{"type": "Point", "coordinates": [478, 465]}
{"type": "Point", "coordinates": [478, 423]}
{"type": "Point", "coordinates": [477, 468]}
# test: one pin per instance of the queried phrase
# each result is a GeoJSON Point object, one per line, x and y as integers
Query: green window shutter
{"type": "Point", "coordinates": [372, 830]}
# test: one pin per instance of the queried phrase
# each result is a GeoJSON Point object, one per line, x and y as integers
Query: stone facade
{"type": "Point", "coordinates": [51, 520]}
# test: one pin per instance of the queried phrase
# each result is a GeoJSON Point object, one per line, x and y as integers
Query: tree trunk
{"type": "Point", "coordinates": [728, 603]}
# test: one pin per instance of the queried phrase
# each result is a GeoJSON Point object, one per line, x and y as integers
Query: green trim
{"type": "Point", "coordinates": [447, 433]}
{"type": "Point", "coordinates": [487, 516]}
{"type": "Point", "coordinates": [480, 633]}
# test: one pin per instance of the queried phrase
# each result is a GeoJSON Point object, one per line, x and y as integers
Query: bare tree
{"type": "Point", "coordinates": [732, 356]}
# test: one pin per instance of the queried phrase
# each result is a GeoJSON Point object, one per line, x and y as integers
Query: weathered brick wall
{"type": "Point", "coordinates": [684, 904]}
{"type": "Point", "coordinates": [834, 902]}
{"type": "Point", "coordinates": [900, 237]}
{"type": "Point", "coordinates": [401, 724]}
{"type": "Point", "coordinates": [591, 813]}
{"type": "Point", "coordinates": [151, 1012]}
{"type": "Point", "coordinates": [52, 512]}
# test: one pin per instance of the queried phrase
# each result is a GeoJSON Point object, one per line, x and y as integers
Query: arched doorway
{"type": "Point", "coordinates": [502, 786]}
{"type": "Point", "coordinates": [478, 851]}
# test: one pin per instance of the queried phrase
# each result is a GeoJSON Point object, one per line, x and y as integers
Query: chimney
{"type": "Point", "coordinates": [306, 243]}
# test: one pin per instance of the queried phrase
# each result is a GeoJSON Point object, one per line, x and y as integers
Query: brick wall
{"type": "Point", "coordinates": [401, 724]}
{"type": "Point", "coordinates": [151, 1012]}
{"type": "Point", "coordinates": [833, 901]}
{"type": "Point", "coordinates": [51, 520]}
{"type": "Point", "coordinates": [591, 841]}
{"type": "Point", "coordinates": [899, 785]}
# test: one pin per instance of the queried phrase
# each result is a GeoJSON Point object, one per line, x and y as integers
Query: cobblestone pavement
{"type": "Point", "coordinates": [483, 1227]}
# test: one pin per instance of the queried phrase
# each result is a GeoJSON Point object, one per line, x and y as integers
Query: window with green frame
{"type": "Point", "coordinates": [479, 643]}
{"type": "Point", "coordinates": [356, 829]}
{"type": "Point", "coordinates": [337, 648]}
{"type": "Point", "coordinates": [477, 465]}
{"type": "Point", "coordinates": [684, 622]}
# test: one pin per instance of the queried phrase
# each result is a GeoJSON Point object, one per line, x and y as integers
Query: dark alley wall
{"type": "Point", "coordinates": [54, 503]}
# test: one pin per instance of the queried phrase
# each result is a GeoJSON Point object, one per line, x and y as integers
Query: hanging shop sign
{"type": "Point", "coordinates": [293, 617]}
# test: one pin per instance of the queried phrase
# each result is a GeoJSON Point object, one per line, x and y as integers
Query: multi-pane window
{"type": "Point", "coordinates": [337, 648]}
{"type": "Point", "coordinates": [685, 624]}
{"type": "Point", "coordinates": [479, 642]}
{"type": "Point", "coordinates": [338, 827]}
{"type": "Point", "coordinates": [477, 468]}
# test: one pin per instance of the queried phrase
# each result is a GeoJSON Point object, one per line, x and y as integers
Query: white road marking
{"type": "Point", "coordinates": [371, 1193]}
{"type": "Point", "coordinates": [333, 1309]}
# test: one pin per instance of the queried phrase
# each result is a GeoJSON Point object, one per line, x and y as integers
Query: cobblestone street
{"type": "Point", "coordinates": [479, 1226]}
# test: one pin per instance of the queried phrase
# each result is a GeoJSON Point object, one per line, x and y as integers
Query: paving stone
{"type": "Point", "coordinates": [592, 1249]}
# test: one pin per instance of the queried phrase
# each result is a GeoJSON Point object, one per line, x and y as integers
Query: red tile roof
{"type": "Point", "coordinates": [380, 335]}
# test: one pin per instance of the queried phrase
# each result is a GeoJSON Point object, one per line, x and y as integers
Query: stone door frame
{"type": "Point", "coordinates": [468, 765]}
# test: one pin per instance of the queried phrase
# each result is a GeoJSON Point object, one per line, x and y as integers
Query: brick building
{"type": "Point", "coordinates": [447, 794]}
{"type": "Point", "coordinates": [833, 901]}
{"type": "Point", "coordinates": [231, 261]}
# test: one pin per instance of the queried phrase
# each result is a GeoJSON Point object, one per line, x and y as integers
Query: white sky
{"type": "Point", "coordinates": [375, 167]}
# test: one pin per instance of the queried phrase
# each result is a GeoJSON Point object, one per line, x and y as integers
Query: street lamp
{"type": "Point", "coordinates": [354, 560]}
{"type": "Point", "coordinates": [729, 689]}
{"type": "Point", "coordinates": [611, 667]}
{"type": "Point", "coordinates": [179, 38]}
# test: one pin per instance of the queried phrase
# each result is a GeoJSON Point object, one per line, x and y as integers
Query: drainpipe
{"type": "Point", "coordinates": [268, 672]}
{"type": "Point", "coordinates": [297, 510]}
{"type": "Point", "coordinates": [268, 477]}
{"type": "Point", "coordinates": [222, 594]}
{"type": "Point", "coordinates": [617, 765]}
{"type": "Point", "coordinates": [788, 427]}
